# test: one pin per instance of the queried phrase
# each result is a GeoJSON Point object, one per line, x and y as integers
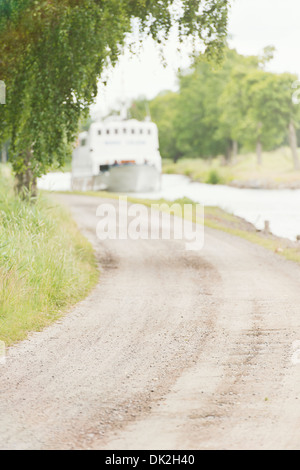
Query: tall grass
{"type": "Point", "coordinates": [276, 169]}
{"type": "Point", "coordinates": [46, 265]}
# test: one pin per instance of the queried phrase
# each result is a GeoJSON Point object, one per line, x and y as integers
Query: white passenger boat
{"type": "Point", "coordinates": [118, 155]}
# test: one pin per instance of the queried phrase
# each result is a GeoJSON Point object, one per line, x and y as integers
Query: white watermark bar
{"type": "Point", "coordinates": [2, 92]}
{"type": "Point", "coordinates": [2, 353]}
{"type": "Point", "coordinates": [158, 222]}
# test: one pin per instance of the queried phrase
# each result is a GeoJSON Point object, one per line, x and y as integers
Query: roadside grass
{"type": "Point", "coordinates": [276, 170]}
{"type": "Point", "coordinates": [46, 265]}
{"type": "Point", "coordinates": [218, 219]}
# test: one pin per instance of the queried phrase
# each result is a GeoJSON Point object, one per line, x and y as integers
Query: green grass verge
{"type": "Point", "coordinates": [276, 170]}
{"type": "Point", "coordinates": [46, 265]}
{"type": "Point", "coordinates": [220, 220]}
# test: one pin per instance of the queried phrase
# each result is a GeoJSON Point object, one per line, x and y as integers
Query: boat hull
{"type": "Point", "coordinates": [121, 179]}
{"type": "Point", "coordinates": [133, 178]}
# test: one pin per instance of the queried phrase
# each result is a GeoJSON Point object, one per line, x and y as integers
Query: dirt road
{"type": "Point", "coordinates": [172, 350]}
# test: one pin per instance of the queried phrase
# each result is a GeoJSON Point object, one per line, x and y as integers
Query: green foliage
{"type": "Point", "coordinates": [53, 53]}
{"type": "Point", "coordinates": [257, 105]}
{"type": "Point", "coordinates": [199, 128]}
{"type": "Point", "coordinates": [85, 123]}
{"type": "Point", "coordinates": [197, 124]}
{"type": "Point", "coordinates": [139, 109]}
{"type": "Point", "coordinates": [220, 108]}
{"type": "Point", "coordinates": [214, 177]}
{"type": "Point", "coordinates": [164, 109]}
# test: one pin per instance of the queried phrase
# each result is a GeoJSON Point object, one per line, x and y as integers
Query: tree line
{"type": "Point", "coordinates": [220, 109]}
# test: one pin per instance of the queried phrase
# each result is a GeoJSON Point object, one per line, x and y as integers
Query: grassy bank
{"type": "Point", "coordinates": [46, 265]}
{"type": "Point", "coordinates": [276, 170]}
{"type": "Point", "coordinates": [220, 220]}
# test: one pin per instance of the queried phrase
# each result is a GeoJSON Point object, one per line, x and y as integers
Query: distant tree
{"type": "Point", "coordinates": [164, 112]}
{"type": "Point", "coordinates": [53, 53]}
{"type": "Point", "coordinates": [267, 56]}
{"type": "Point", "coordinates": [231, 99]}
{"type": "Point", "coordinates": [139, 109]}
{"type": "Point", "coordinates": [258, 105]}
{"type": "Point", "coordinates": [197, 121]}
{"type": "Point", "coordinates": [200, 129]}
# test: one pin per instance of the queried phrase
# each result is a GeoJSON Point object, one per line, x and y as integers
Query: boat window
{"type": "Point", "coordinates": [125, 131]}
{"type": "Point", "coordinates": [107, 131]}
{"type": "Point", "coordinates": [99, 132]}
{"type": "Point", "coordinates": [141, 131]}
{"type": "Point", "coordinates": [116, 131]}
{"type": "Point", "coordinates": [149, 131]}
{"type": "Point", "coordinates": [132, 131]}
{"type": "Point", "coordinates": [83, 143]}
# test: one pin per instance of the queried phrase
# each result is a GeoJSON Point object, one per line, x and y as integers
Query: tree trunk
{"type": "Point", "coordinates": [228, 155]}
{"type": "Point", "coordinates": [176, 158]}
{"type": "Point", "coordinates": [259, 152]}
{"type": "Point", "coordinates": [232, 152]}
{"type": "Point", "coordinates": [235, 149]}
{"type": "Point", "coordinates": [259, 144]}
{"type": "Point", "coordinates": [4, 154]}
{"type": "Point", "coordinates": [294, 145]}
{"type": "Point", "coordinates": [26, 182]}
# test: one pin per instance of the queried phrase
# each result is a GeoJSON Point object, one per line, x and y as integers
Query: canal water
{"type": "Point", "coordinates": [280, 207]}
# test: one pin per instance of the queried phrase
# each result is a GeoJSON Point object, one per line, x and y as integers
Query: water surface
{"type": "Point", "coordinates": [280, 207]}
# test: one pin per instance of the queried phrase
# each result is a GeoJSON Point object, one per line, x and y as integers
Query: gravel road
{"type": "Point", "coordinates": [172, 350]}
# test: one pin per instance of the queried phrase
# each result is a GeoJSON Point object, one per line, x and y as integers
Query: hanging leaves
{"type": "Point", "coordinates": [53, 53]}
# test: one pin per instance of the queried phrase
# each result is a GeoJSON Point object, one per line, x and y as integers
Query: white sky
{"type": "Point", "coordinates": [253, 25]}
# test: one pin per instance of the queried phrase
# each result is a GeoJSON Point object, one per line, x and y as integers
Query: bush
{"type": "Point", "coordinates": [213, 177]}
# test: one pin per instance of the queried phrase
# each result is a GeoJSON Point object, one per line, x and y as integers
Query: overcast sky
{"type": "Point", "coordinates": [253, 25]}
